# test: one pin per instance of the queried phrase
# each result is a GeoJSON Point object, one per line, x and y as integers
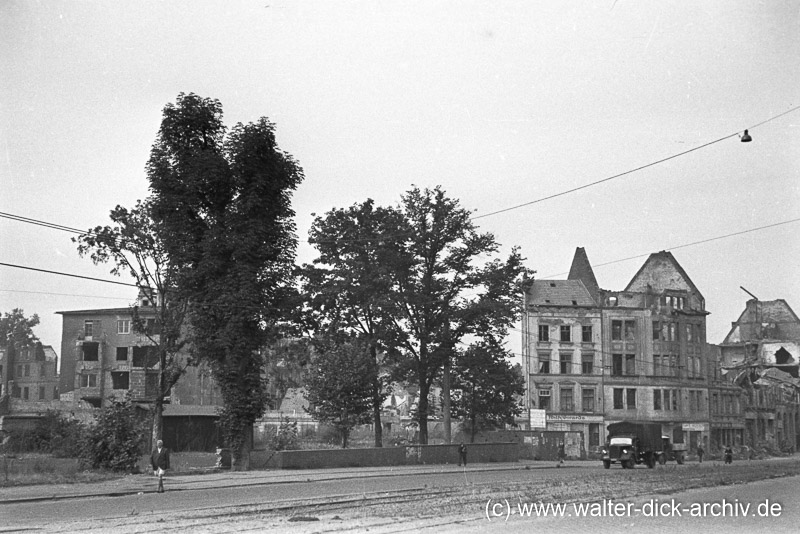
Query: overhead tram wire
{"type": "Point", "coordinates": [708, 240]}
{"type": "Point", "coordinates": [43, 223]}
{"type": "Point", "coordinates": [608, 179]}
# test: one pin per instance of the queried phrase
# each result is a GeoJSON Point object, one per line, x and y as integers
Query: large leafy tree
{"type": "Point", "coordinates": [340, 386]}
{"type": "Point", "coordinates": [133, 245]}
{"type": "Point", "coordinates": [444, 294]}
{"type": "Point", "coordinates": [486, 388]}
{"type": "Point", "coordinates": [349, 286]}
{"type": "Point", "coordinates": [223, 202]}
{"type": "Point", "coordinates": [16, 329]}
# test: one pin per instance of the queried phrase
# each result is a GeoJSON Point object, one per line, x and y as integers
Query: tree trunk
{"type": "Point", "coordinates": [242, 457]}
{"type": "Point", "coordinates": [446, 401]}
{"type": "Point", "coordinates": [422, 410]}
{"type": "Point", "coordinates": [376, 415]}
{"type": "Point", "coordinates": [376, 399]}
{"type": "Point", "coordinates": [158, 422]}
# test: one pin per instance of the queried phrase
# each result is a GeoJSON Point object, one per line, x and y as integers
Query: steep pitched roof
{"type": "Point", "coordinates": [581, 270]}
{"type": "Point", "coordinates": [757, 314]}
{"type": "Point", "coordinates": [661, 271]}
{"type": "Point", "coordinates": [560, 293]}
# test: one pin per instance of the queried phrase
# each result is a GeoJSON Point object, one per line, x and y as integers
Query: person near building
{"type": "Point", "coordinates": [462, 454]}
{"type": "Point", "coordinates": [700, 453]}
{"type": "Point", "coordinates": [562, 453]}
{"type": "Point", "coordinates": [160, 461]}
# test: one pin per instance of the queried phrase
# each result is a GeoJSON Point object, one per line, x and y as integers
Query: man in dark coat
{"type": "Point", "coordinates": [462, 454]}
{"type": "Point", "coordinates": [160, 461]}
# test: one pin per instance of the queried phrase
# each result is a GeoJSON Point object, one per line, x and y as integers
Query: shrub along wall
{"type": "Point", "coordinates": [386, 456]}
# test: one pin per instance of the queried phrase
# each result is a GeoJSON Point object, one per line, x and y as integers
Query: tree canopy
{"type": "Point", "coordinates": [133, 245]}
{"type": "Point", "coordinates": [485, 388]}
{"type": "Point", "coordinates": [349, 285]}
{"type": "Point", "coordinates": [340, 386]}
{"type": "Point", "coordinates": [17, 329]}
{"type": "Point", "coordinates": [416, 280]}
{"type": "Point", "coordinates": [223, 203]}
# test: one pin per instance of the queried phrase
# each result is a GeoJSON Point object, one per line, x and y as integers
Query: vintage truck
{"type": "Point", "coordinates": [631, 443]}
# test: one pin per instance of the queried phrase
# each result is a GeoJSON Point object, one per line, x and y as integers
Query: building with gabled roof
{"type": "Point", "coordinates": [592, 356]}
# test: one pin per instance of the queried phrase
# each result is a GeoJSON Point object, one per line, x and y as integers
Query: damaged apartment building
{"type": "Point", "coordinates": [761, 356]}
{"type": "Point", "coordinates": [592, 357]}
{"type": "Point", "coordinates": [103, 358]}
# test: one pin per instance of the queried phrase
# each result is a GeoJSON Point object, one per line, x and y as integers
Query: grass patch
{"type": "Point", "coordinates": [44, 469]}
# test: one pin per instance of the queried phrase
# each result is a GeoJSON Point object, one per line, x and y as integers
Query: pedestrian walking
{"type": "Point", "coordinates": [462, 454]}
{"type": "Point", "coordinates": [562, 453]}
{"type": "Point", "coordinates": [160, 461]}
{"type": "Point", "coordinates": [700, 453]}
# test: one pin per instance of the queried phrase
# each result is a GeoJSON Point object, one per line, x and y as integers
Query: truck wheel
{"type": "Point", "coordinates": [679, 459]}
{"type": "Point", "coordinates": [629, 464]}
{"type": "Point", "coordinates": [607, 464]}
{"type": "Point", "coordinates": [662, 459]}
{"type": "Point", "coordinates": [651, 461]}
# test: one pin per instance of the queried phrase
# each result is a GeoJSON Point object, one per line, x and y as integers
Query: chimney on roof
{"type": "Point", "coordinates": [581, 270]}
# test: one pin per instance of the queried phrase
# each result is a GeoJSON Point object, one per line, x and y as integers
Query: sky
{"type": "Point", "coordinates": [500, 103]}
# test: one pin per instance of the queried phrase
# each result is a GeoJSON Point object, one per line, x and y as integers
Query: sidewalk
{"type": "Point", "coordinates": [145, 483]}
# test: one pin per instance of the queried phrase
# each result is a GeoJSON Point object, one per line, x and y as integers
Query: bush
{"type": "Point", "coordinates": [117, 438]}
{"type": "Point", "coordinates": [285, 439]}
{"type": "Point", "coordinates": [53, 434]}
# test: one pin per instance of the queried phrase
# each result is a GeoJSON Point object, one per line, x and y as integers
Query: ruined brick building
{"type": "Point", "coordinates": [761, 356]}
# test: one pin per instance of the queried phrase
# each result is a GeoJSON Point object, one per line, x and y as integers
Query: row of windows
{"type": "Point", "coordinates": [143, 356]}
{"type": "Point", "coordinates": [565, 333]}
{"type": "Point", "coordinates": [24, 393]}
{"type": "Point", "coordinates": [671, 331]}
{"type": "Point", "coordinates": [567, 400]}
{"type": "Point", "coordinates": [625, 330]}
{"type": "Point", "coordinates": [25, 370]}
{"type": "Point", "coordinates": [123, 327]}
{"type": "Point", "coordinates": [565, 363]}
{"type": "Point", "coordinates": [120, 380]}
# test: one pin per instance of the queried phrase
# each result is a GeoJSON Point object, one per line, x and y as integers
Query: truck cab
{"type": "Point", "coordinates": [627, 450]}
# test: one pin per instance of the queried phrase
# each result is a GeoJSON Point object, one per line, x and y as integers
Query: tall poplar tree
{"type": "Point", "coordinates": [224, 201]}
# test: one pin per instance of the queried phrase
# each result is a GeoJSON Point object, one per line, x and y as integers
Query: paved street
{"type": "Point", "coordinates": [345, 500]}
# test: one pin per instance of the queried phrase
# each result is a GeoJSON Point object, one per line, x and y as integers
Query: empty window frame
{"type": "Point", "coordinates": [619, 401]}
{"type": "Point", "coordinates": [616, 365]}
{"type": "Point", "coordinates": [587, 363]}
{"type": "Point", "coordinates": [567, 399]}
{"type": "Point", "coordinates": [587, 399]}
{"type": "Point", "coordinates": [91, 351]}
{"type": "Point", "coordinates": [630, 364]}
{"type": "Point", "coordinates": [544, 332]}
{"type": "Point", "coordinates": [88, 380]}
{"type": "Point", "coordinates": [566, 333]}
{"type": "Point", "coordinates": [630, 398]}
{"type": "Point", "coordinates": [122, 354]}
{"type": "Point", "coordinates": [586, 333]}
{"type": "Point", "coordinates": [656, 399]}
{"type": "Point", "coordinates": [565, 363]}
{"type": "Point", "coordinates": [120, 379]}
{"type": "Point", "coordinates": [544, 399]}
{"type": "Point", "coordinates": [544, 363]}
{"type": "Point", "coordinates": [88, 328]}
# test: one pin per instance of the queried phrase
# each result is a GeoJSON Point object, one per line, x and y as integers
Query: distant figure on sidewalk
{"type": "Point", "coordinates": [562, 453]}
{"type": "Point", "coordinates": [462, 454]}
{"type": "Point", "coordinates": [160, 461]}
{"type": "Point", "coordinates": [700, 453]}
